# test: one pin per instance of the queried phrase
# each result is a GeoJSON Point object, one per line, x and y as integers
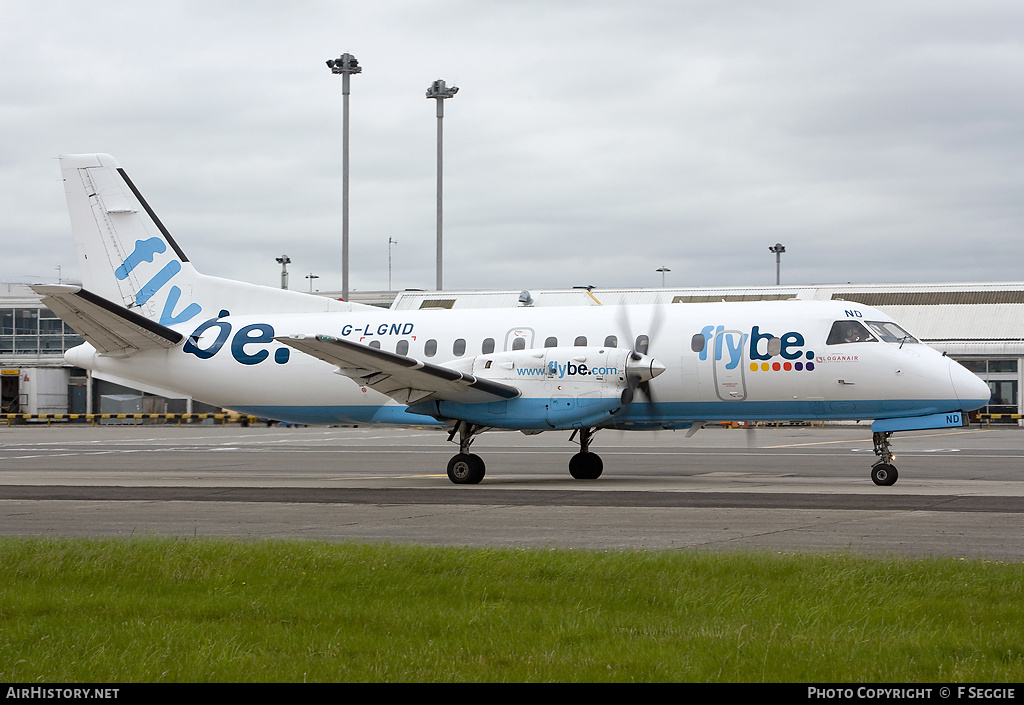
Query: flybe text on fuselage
{"type": "Point", "coordinates": [242, 342]}
{"type": "Point", "coordinates": [724, 343]}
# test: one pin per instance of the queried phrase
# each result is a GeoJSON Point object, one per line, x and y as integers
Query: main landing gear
{"type": "Point", "coordinates": [883, 472]}
{"type": "Point", "coordinates": [466, 468]}
{"type": "Point", "coordinates": [585, 465]}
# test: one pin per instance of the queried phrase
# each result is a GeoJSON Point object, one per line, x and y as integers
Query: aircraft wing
{"type": "Point", "coordinates": [404, 379]}
{"type": "Point", "coordinates": [110, 328]}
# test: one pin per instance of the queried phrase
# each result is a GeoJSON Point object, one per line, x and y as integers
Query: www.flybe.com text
{"type": "Point", "coordinates": [554, 369]}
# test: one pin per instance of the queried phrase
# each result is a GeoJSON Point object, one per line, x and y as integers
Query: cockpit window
{"type": "Point", "coordinates": [890, 332]}
{"type": "Point", "coordinates": [849, 332]}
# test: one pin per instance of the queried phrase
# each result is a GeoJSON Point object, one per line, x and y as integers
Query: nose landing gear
{"type": "Point", "coordinates": [883, 472]}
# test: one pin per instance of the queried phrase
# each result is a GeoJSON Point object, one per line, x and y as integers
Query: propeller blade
{"type": "Point", "coordinates": [640, 367]}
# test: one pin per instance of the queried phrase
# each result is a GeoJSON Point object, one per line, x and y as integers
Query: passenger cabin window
{"type": "Point", "coordinates": [849, 332]}
{"type": "Point", "coordinates": [551, 342]}
{"type": "Point", "coordinates": [375, 344]}
{"type": "Point", "coordinates": [611, 341]}
{"type": "Point", "coordinates": [519, 344]}
{"type": "Point", "coordinates": [488, 346]}
{"type": "Point", "coordinates": [430, 348]}
{"type": "Point", "coordinates": [459, 347]}
{"type": "Point", "coordinates": [697, 343]}
{"type": "Point", "coordinates": [402, 348]}
{"type": "Point", "coordinates": [890, 332]}
{"type": "Point", "coordinates": [581, 341]}
{"type": "Point", "coordinates": [642, 343]}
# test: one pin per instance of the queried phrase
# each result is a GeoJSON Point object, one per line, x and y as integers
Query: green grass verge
{"type": "Point", "coordinates": [148, 610]}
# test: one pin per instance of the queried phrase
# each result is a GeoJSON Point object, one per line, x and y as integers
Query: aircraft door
{"type": "Point", "coordinates": [730, 365]}
{"type": "Point", "coordinates": [519, 339]}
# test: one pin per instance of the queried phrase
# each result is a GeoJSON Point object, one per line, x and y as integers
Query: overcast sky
{"type": "Point", "coordinates": [590, 143]}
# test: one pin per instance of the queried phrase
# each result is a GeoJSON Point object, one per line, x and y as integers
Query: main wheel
{"type": "Point", "coordinates": [884, 474]}
{"type": "Point", "coordinates": [586, 466]}
{"type": "Point", "coordinates": [466, 469]}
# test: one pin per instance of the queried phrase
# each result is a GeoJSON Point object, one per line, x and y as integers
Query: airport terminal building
{"type": "Point", "coordinates": [980, 325]}
{"type": "Point", "coordinates": [35, 379]}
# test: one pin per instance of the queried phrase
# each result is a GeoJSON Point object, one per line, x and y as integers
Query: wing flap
{"type": "Point", "coordinates": [109, 327]}
{"type": "Point", "coordinates": [404, 379]}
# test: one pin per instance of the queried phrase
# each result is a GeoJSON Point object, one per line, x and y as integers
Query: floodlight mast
{"type": "Point", "coordinates": [662, 269]}
{"type": "Point", "coordinates": [284, 261]}
{"type": "Point", "coordinates": [390, 243]}
{"type": "Point", "coordinates": [778, 249]}
{"type": "Point", "coordinates": [440, 92]}
{"type": "Point", "coordinates": [345, 65]}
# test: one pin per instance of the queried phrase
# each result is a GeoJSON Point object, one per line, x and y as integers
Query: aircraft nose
{"type": "Point", "coordinates": [972, 391]}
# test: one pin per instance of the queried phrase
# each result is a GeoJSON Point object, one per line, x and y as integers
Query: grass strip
{"type": "Point", "coordinates": [176, 610]}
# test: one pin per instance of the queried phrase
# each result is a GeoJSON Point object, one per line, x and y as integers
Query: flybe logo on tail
{"type": "Point", "coordinates": [760, 348]}
{"type": "Point", "coordinates": [145, 252]}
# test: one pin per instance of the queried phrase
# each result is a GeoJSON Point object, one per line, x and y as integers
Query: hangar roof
{"type": "Point", "coordinates": [961, 318]}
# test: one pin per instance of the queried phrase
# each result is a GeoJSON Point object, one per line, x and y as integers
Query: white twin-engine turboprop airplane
{"type": "Point", "coordinates": [151, 318]}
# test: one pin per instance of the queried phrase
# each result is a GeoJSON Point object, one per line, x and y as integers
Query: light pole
{"type": "Point", "coordinates": [311, 277]}
{"type": "Point", "coordinates": [440, 91]}
{"type": "Point", "coordinates": [390, 243]}
{"type": "Point", "coordinates": [346, 65]}
{"type": "Point", "coordinates": [284, 261]}
{"type": "Point", "coordinates": [662, 269]}
{"type": "Point", "coordinates": [778, 249]}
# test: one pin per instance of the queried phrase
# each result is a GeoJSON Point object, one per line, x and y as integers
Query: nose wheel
{"type": "Point", "coordinates": [883, 472]}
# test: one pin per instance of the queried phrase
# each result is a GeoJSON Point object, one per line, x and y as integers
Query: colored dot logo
{"type": "Point", "coordinates": [781, 366]}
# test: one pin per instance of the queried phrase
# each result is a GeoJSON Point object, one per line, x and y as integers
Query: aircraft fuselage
{"type": "Point", "coordinates": [235, 362]}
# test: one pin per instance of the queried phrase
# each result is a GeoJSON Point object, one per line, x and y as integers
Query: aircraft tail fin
{"type": "Point", "coordinates": [128, 256]}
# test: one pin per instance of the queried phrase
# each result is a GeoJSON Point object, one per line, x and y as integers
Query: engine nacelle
{"type": "Point", "coordinates": [561, 387]}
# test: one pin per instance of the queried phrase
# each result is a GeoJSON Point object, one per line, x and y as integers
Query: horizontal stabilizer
{"type": "Point", "coordinates": [404, 379]}
{"type": "Point", "coordinates": [107, 326]}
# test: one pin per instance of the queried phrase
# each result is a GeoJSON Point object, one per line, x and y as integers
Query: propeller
{"type": "Point", "coordinates": [641, 368]}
